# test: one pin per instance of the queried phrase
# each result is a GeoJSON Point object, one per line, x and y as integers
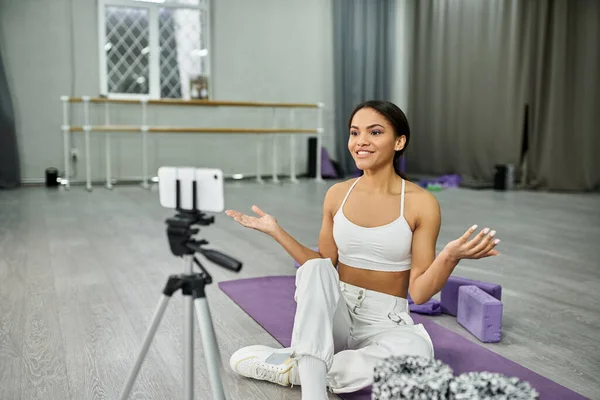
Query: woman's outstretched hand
{"type": "Point", "coordinates": [480, 246]}
{"type": "Point", "coordinates": [265, 223]}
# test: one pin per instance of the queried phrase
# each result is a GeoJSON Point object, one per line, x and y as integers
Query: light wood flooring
{"type": "Point", "coordinates": [81, 274]}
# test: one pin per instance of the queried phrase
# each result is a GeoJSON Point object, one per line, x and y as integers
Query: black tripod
{"type": "Point", "coordinates": [179, 231]}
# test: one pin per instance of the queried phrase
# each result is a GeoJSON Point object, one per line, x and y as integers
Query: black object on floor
{"type": "Point", "coordinates": [51, 177]}
{"type": "Point", "coordinates": [505, 177]}
{"type": "Point", "coordinates": [311, 168]}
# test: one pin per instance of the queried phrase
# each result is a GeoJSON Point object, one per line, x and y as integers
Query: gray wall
{"type": "Point", "coordinates": [263, 50]}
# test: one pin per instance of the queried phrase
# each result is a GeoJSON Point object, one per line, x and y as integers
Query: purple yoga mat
{"type": "Point", "coordinates": [270, 302]}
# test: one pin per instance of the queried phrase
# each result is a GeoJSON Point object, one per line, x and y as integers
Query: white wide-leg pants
{"type": "Point", "coordinates": [350, 328]}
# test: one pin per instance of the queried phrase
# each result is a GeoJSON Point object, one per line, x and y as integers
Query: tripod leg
{"type": "Point", "coordinates": [188, 349]}
{"type": "Point", "coordinates": [156, 319]}
{"type": "Point", "coordinates": [188, 334]}
{"type": "Point", "coordinates": [211, 349]}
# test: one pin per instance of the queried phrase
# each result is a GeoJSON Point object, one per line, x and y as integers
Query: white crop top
{"type": "Point", "coordinates": [381, 248]}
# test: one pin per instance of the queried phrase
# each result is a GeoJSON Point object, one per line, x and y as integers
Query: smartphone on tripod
{"type": "Point", "coordinates": [209, 188]}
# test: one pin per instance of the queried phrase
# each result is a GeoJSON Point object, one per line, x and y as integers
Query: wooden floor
{"type": "Point", "coordinates": [81, 274]}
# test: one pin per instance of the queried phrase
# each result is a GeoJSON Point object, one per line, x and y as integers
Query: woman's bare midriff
{"type": "Point", "coordinates": [392, 283]}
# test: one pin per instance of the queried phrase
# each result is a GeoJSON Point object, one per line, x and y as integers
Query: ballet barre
{"type": "Point", "coordinates": [179, 102]}
{"type": "Point", "coordinates": [144, 130]}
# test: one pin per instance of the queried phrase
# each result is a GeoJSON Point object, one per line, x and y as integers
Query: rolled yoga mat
{"type": "Point", "coordinates": [270, 302]}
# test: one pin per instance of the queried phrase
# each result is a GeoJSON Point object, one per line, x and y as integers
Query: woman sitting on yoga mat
{"type": "Point", "coordinates": [380, 231]}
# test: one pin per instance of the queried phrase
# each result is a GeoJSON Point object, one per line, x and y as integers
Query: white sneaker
{"type": "Point", "coordinates": [265, 364]}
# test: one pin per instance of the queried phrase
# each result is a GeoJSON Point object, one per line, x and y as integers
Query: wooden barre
{"type": "Point", "coordinates": [167, 129]}
{"type": "Point", "coordinates": [107, 128]}
{"type": "Point", "coordinates": [173, 129]}
{"type": "Point", "coordinates": [103, 100]}
{"type": "Point", "coordinates": [213, 103]}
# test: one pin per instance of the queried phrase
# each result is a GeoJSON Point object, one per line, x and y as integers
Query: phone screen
{"type": "Point", "coordinates": [209, 188]}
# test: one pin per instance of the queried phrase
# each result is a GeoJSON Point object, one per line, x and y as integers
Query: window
{"type": "Point", "coordinates": [154, 48]}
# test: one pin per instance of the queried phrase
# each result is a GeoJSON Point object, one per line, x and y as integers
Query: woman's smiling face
{"type": "Point", "coordinates": [372, 140]}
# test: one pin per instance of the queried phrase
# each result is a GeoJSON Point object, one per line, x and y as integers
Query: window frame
{"type": "Point", "coordinates": [153, 6]}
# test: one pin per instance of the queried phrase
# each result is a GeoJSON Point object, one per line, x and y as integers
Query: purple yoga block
{"type": "Point", "coordinates": [327, 168]}
{"type": "Point", "coordinates": [480, 313]}
{"type": "Point", "coordinates": [449, 295]}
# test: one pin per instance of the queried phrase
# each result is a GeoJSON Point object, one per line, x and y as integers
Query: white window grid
{"type": "Point", "coordinates": [154, 48]}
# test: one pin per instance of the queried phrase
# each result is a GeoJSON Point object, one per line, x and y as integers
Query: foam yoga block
{"type": "Point", "coordinates": [449, 295]}
{"type": "Point", "coordinates": [431, 307]}
{"type": "Point", "coordinates": [480, 313]}
{"type": "Point", "coordinates": [327, 168]}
